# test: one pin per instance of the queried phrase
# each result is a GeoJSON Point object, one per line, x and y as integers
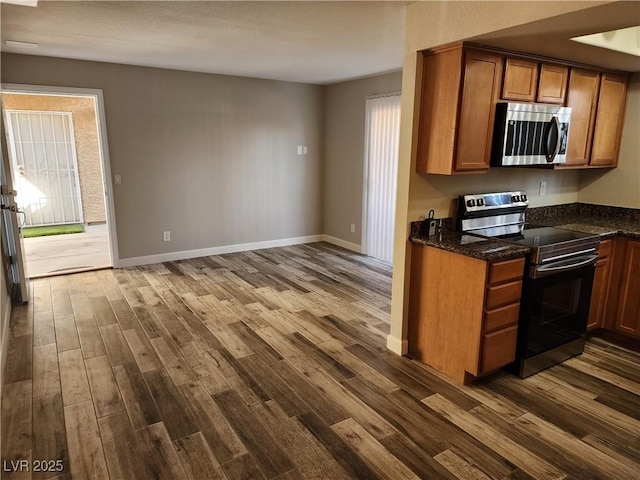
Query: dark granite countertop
{"type": "Point", "coordinates": [597, 219]}
{"type": "Point", "coordinates": [482, 248]}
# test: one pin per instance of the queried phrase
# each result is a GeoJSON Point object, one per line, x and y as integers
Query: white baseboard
{"type": "Point", "coordinates": [397, 345]}
{"type": "Point", "coordinates": [342, 243]}
{"type": "Point", "coordinates": [205, 252]}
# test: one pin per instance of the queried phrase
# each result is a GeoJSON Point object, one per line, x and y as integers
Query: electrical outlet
{"type": "Point", "coordinates": [166, 236]}
{"type": "Point", "coordinates": [353, 228]}
{"type": "Point", "coordinates": [299, 149]}
{"type": "Point", "coordinates": [117, 178]}
{"type": "Point", "coordinates": [305, 150]}
{"type": "Point", "coordinates": [543, 189]}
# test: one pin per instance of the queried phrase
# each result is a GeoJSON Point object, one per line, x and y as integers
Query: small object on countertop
{"type": "Point", "coordinates": [432, 223]}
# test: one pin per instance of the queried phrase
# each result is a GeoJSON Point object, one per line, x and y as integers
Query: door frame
{"type": "Point", "coordinates": [103, 144]}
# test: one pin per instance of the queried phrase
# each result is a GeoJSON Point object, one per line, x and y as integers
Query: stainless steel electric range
{"type": "Point", "coordinates": [557, 283]}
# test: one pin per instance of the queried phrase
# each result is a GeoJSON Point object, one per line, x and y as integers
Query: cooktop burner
{"type": "Point", "coordinates": [541, 236]}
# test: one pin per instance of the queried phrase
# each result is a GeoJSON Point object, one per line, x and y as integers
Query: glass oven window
{"type": "Point", "coordinates": [555, 309]}
{"type": "Point", "coordinates": [557, 302]}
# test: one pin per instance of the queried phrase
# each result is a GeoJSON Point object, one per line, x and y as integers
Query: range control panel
{"type": "Point", "coordinates": [490, 201]}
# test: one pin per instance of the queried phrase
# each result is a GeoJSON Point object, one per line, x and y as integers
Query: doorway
{"type": "Point", "coordinates": [56, 140]}
{"type": "Point", "coordinates": [382, 137]}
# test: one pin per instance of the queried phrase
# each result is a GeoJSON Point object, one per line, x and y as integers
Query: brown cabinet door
{"type": "Point", "coordinates": [628, 318]}
{"type": "Point", "coordinates": [609, 120]}
{"type": "Point", "coordinates": [480, 91]}
{"type": "Point", "coordinates": [440, 93]}
{"type": "Point", "coordinates": [520, 79]}
{"type": "Point", "coordinates": [599, 294]}
{"type": "Point", "coordinates": [552, 86]}
{"type": "Point", "coordinates": [582, 97]}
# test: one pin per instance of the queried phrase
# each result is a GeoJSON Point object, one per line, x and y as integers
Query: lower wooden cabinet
{"type": "Point", "coordinates": [463, 312]}
{"type": "Point", "coordinates": [624, 292]}
{"type": "Point", "coordinates": [600, 286]}
{"type": "Point", "coordinates": [498, 349]}
{"type": "Point", "coordinates": [615, 302]}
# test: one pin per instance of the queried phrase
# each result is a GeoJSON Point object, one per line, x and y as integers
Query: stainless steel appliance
{"type": "Point", "coordinates": [528, 134]}
{"type": "Point", "coordinates": [557, 283]}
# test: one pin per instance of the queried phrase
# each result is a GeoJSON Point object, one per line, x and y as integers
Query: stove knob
{"type": "Point", "coordinates": [471, 203]}
{"type": "Point", "coordinates": [515, 198]}
{"type": "Point", "coordinates": [480, 202]}
{"type": "Point", "coordinates": [523, 198]}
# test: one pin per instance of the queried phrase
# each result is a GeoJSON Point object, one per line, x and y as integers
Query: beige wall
{"type": "Point", "coordinates": [87, 148]}
{"type": "Point", "coordinates": [620, 186]}
{"type": "Point", "coordinates": [430, 24]}
{"type": "Point", "coordinates": [210, 158]}
{"type": "Point", "coordinates": [344, 124]}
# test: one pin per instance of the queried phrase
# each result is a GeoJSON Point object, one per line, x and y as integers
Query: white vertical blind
{"type": "Point", "coordinates": [382, 133]}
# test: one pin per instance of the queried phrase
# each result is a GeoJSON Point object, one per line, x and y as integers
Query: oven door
{"type": "Point", "coordinates": [555, 305]}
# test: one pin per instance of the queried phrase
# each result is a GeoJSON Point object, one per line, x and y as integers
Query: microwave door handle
{"type": "Point", "coordinates": [552, 142]}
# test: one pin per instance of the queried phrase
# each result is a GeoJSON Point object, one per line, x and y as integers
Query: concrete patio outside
{"type": "Point", "coordinates": [52, 255]}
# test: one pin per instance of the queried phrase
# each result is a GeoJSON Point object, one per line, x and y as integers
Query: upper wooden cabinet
{"type": "Point", "coordinates": [461, 85]}
{"type": "Point", "coordinates": [460, 88]}
{"type": "Point", "coordinates": [582, 97]}
{"type": "Point", "coordinates": [609, 120]}
{"type": "Point", "coordinates": [528, 81]}
{"type": "Point", "coordinates": [552, 85]}
{"type": "Point", "coordinates": [481, 84]}
{"type": "Point", "coordinates": [520, 80]}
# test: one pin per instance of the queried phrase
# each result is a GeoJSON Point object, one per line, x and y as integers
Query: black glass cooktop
{"type": "Point", "coordinates": [538, 237]}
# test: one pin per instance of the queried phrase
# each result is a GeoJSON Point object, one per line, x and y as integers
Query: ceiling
{"type": "Point", "coordinates": [303, 41]}
{"type": "Point", "coordinates": [552, 36]}
{"type": "Point", "coordinates": [310, 42]}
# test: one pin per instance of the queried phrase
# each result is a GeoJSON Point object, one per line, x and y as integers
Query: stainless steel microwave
{"type": "Point", "coordinates": [528, 134]}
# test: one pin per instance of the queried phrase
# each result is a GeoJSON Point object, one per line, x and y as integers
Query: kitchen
{"type": "Point", "coordinates": [493, 132]}
{"type": "Point", "coordinates": [616, 187]}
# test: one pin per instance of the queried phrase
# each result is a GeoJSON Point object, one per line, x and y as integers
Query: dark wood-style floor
{"type": "Point", "coordinates": [272, 364]}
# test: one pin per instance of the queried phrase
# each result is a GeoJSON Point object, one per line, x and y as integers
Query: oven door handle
{"type": "Point", "coordinates": [544, 270]}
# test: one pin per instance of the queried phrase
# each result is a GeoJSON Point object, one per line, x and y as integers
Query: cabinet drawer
{"type": "Point", "coordinates": [501, 272]}
{"type": "Point", "coordinates": [605, 249]}
{"type": "Point", "coordinates": [503, 294]}
{"type": "Point", "coordinates": [498, 349]}
{"type": "Point", "coordinates": [501, 317]}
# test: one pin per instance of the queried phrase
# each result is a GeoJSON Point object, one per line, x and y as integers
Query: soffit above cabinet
{"type": "Point", "coordinates": [552, 37]}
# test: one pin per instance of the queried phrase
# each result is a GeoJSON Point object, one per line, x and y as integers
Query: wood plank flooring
{"type": "Point", "coordinates": [272, 364]}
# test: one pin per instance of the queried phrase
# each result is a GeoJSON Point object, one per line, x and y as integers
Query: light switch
{"type": "Point", "coordinates": [299, 149]}
{"type": "Point", "coordinates": [305, 150]}
{"type": "Point", "coordinates": [117, 178]}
